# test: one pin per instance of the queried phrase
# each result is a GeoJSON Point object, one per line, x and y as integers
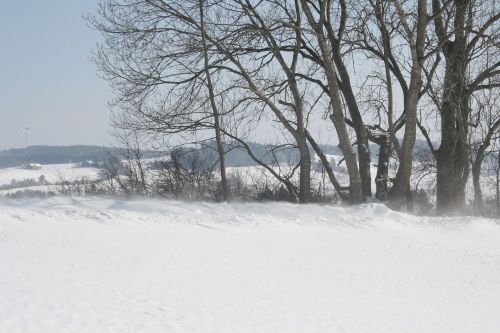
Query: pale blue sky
{"type": "Point", "coordinates": [48, 80]}
{"type": "Point", "coordinates": [46, 77]}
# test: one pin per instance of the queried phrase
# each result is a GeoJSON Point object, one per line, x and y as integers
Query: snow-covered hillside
{"type": "Point", "coordinates": [51, 172]}
{"type": "Point", "coordinates": [94, 265]}
{"type": "Point", "coordinates": [18, 179]}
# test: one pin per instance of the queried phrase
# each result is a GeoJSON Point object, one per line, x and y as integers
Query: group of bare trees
{"type": "Point", "coordinates": [378, 72]}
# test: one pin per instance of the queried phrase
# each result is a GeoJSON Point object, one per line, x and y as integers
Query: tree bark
{"type": "Point", "coordinates": [357, 121]}
{"type": "Point", "coordinates": [337, 116]}
{"type": "Point", "coordinates": [226, 194]}
{"type": "Point", "coordinates": [382, 177]}
{"type": "Point", "coordinates": [452, 157]}
{"type": "Point", "coordinates": [477, 165]}
{"type": "Point", "coordinates": [398, 195]}
{"type": "Point", "coordinates": [478, 194]}
{"type": "Point", "coordinates": [497, 184]}
{"type": "Point", "coordinates": [399, 192]}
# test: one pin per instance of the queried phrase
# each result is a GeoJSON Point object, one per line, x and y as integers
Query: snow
{"type": "Point", "coordinates": [103, 265]}
{"type": "Point", "coordinates": [52, 173]}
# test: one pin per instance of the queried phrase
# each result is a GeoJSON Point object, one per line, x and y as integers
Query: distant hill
{"type": "Point", "coordinates": [236, 156]}
{"type": "Point", "coordinates": [52, 155]}
{"type": "Point", "coordinates": [80, 153]}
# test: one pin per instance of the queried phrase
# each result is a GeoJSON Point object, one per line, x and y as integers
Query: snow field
{"type": "Point", "coordinates": [97, 265]}
{"type": "Point", "coordinates": [52, 172]}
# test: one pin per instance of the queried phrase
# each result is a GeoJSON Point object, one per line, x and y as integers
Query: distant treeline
{"type": "Point", "coordinates": [53, 155]}
{"type": "Point", "coordinates": [80, 153]}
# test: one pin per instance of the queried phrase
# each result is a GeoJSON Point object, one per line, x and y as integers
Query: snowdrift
{"type": "Point", "coordinates": [98, 265]}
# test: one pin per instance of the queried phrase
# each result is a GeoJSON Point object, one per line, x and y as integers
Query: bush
{"type": "Point", "coordinates": [30, 194]}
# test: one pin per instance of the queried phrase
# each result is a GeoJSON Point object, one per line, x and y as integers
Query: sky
{"type": "Point", "coordinates": [47, 78]}
{"type": "Point", "coordinates": [49, 83]}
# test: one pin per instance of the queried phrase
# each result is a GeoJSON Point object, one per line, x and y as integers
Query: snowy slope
{"type": "Point", "coordinates": [52, 173]}
{"type": "Point", "coordinates": [94, 265]}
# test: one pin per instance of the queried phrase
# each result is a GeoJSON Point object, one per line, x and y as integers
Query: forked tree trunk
{"type": "Point", "coordinates": [363, 145]}
{"type": "Point", "coordinates": [337, 116]}
{"type": "Point", "coordinates": [398, 195]}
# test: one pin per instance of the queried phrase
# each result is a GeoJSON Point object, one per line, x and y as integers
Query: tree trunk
{"type": "Point", "coordinates": [358, 124]}
{"type": "Point", "coordinates": [301, 139]}
{"type": "Point", "coordinates": [337, 116]}
{"type": "Point", "coordinates": [399, 192]}
{"type": "Point", "coordinates": [382, 177]}
{"type": "Point", "coordinates": [355, 190]}
{"type": "Point", "coordinates": [298, 105]}
{"type": "Point", "coordinates": [497, 183]}
{"type": "Point", "coordinates": [477, 164]}
{"type": "Point", "coordinates": [478, 195]}
{"type": "Point", "coordinates": [398, 195]}
{"type": "Point", "coordinates": [305, 155]}
{"type": "Point", "coordinates": [218, 137]}
{"type": "Point", "coordinates": [452, 157]}
{"type": "Point", "coordinates": [305, 173]}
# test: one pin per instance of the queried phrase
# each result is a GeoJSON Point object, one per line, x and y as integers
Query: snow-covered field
{"type": "Point", "coordinates": [51, 172]}
{"type": "Point", "coordinates": [14, 179]}
{"type": "Point", "coordinates": [98, 265]}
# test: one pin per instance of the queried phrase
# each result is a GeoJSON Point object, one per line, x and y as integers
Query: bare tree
{"type": "Point", "coordinates": [290, 70]}
{"type": "Point", "coordinates": [394, 33]}
{"type": "Point", "coordinates": [126, 170]}
{"type": "Point", "coordinates": [486, 129]}
{"type": "Point", "coordinates": [467, 32]}
{"type": "Point", "coordinates": [202, 69]}
{"type": "Point", "coordinates": [160, 70]}
{"type": "Point", "coordinates": [216, 116]}
{"type": "Point", "coordinates": [317, 22]}
{"type": "Point", "coordinates": [415, 33]}
{"type": "Point", "coordinates": [334, 17]}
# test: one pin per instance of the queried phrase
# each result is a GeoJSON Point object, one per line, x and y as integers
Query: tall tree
{"type": "Point", "coordinates": [216, 116]}
{"type": "Point", "coordinates": [416, 36]}
{"type": "Point", "coordinates": [483, 134]}
{"type": "Point", "coordinates": [317, 22]}
{"type": "Point", "coordinates": [467, 33]}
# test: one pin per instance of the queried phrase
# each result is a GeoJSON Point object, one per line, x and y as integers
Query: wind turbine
{"type": "Point", "coordinates": [26, 132]}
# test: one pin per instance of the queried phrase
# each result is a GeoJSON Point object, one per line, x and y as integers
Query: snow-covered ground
{"type": "Point", "coordinates": [14, 179]}
{"type": "Point", "coordinates": [250, 175]}
{"type": "Point", "coordinates": [97, 265]}
{"type": "Point", "coordinates": [52, 173]}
